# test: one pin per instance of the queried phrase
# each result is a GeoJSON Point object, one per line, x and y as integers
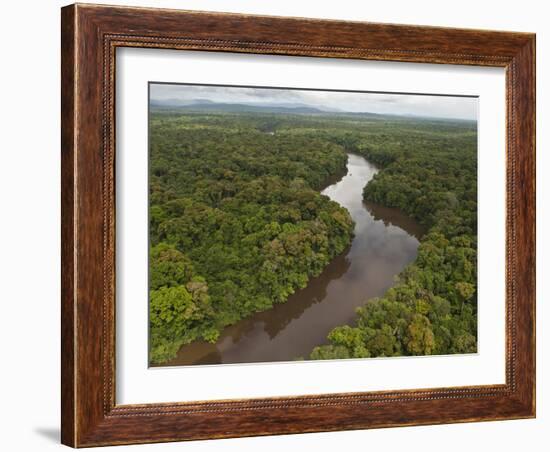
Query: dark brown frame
{"type": "Point", "coordinates": [90, 35]}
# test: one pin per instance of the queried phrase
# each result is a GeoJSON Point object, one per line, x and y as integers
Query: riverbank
{"type": "Point", "coordinates": [384, 242]}
{"type": "Point", "coordinates": [432, 307]}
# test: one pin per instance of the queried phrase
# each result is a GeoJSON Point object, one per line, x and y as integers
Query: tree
{"type": "Point", "coordinates": [420, 339]}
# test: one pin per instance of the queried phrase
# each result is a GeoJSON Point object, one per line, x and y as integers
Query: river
{"type": "Point", "coordinates": [385, 241]}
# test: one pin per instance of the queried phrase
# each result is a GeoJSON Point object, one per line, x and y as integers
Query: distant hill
{"type": "Point", "coordinates": [208, 106]}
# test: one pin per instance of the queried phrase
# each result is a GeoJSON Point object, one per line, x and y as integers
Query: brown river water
{"type": "Point", "coordinates": [385, 241]}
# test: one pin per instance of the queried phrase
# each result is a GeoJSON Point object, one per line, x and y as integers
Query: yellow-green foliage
{"type": "Point", "coordinates": [239, 210]}
{"type": "Point", "coordinates": [428, 170]}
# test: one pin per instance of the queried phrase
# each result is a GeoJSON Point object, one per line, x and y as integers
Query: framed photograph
{"type": "Point", "coordinates": [281, 225]}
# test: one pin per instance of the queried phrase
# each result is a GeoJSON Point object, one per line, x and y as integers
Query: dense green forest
{"type": "Point", "coordinates": [430, 173]}
{"type": "Point", "coordinates": [237, 224]}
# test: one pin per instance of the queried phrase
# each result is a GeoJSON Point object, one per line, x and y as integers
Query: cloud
{"type": "Point", "coordinates": [383, 103]}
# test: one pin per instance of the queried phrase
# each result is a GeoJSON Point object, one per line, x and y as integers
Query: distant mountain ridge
{"type": "Point", "coordinates": [209, 106]}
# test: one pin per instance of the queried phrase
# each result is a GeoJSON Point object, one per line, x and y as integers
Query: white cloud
{"type": "Point", "coordinates": [385, 103]}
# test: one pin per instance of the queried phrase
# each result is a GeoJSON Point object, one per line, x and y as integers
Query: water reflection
{"type": "Point", "coordinates": [393, 217]}
{"type": "Point", "coordinates": [385, 242]}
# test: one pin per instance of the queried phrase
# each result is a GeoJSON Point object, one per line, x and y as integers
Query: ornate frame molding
{"type": "Point", "coordinates": [90, 37]}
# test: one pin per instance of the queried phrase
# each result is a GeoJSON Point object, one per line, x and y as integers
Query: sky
{"type": "Point", "coordinates": [382, 103]}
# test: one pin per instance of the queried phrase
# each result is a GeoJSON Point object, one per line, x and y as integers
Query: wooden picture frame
{"type": "Point", "coordinates": [90, 36]}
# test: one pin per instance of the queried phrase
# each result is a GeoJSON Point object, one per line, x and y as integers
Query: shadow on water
{"type": "Point", "coordinates": [385, 241]}
{"type": "Point", "coordinates": [394, 217]}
